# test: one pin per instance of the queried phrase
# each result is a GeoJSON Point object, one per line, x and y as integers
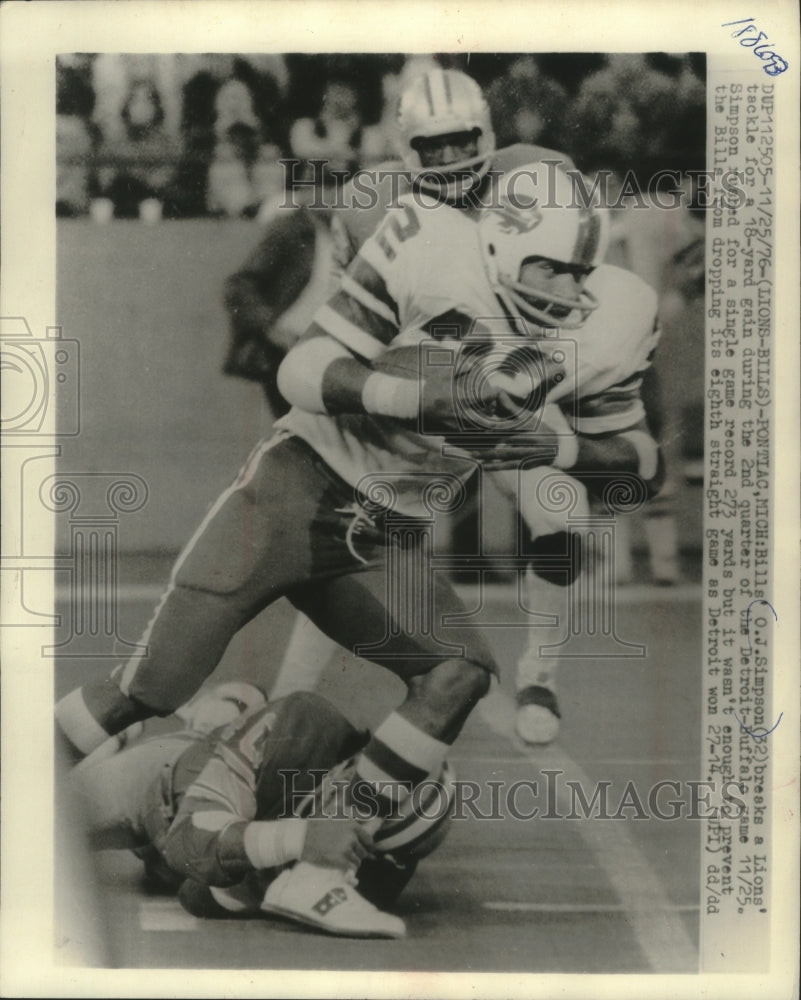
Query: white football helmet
{"type": "Point", "coordinates": [415, 828]}
{"type": "Point", "coordinates": [438, 103]}
{"type": "Point", "coordinates": [210, 709]}
{"type": "Point", "coordinates": [537, 211]}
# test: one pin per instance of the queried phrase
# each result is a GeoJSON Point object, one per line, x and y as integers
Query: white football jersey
{"type": "Point", "coordinates": [422, 275]}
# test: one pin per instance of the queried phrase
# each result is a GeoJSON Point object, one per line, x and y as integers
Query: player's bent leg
{"type": "Point", "coordinates": [555, 567]}
{"type": "Point", "coordinates": [253, 545]}
{"type": "Point", "coordinates": [446, 675]}
{"type": "Point", "coordinates": [548, 500]}
{"type": "Point", "coordinates": [188, 637]}
{"type": "Point", "coordinates": [662, 537]}
{"type": "Point", "coordinates": [440, 701]}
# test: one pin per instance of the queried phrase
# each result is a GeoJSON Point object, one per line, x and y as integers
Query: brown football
{"type": "Point", "coordinates": [403, 362]}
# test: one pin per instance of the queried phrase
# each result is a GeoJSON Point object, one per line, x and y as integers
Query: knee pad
{"type": "Point", "coordinates": [457, 673]}
{"type": "Point", "coordinates": [481, 678]}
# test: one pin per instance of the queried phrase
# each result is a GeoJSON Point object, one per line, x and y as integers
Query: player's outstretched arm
{"type": "Point", "coordinates": [271, 279]}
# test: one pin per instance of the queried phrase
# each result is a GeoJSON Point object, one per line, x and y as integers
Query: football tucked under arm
{"type": "Point", "coordinates": [595, 460]}
{"type": "Point", "coordinates": [600, 460]}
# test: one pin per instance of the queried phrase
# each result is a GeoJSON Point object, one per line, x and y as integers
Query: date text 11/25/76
{"type": "Point", "coordinates": [757, 41]}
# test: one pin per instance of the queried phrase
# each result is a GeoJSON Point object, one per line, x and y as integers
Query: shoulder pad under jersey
{"type": "Point", "coordinates": [625, 320]}
{"type": "Point", "coordinates": [366, 197]}
{"type": "Point", "coordinates": [521, 153]}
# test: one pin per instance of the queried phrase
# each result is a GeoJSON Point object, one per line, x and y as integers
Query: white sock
{"type": "Point", "coordinates": [306, 657]}
{"type": "Point", "coordinates": [78, 724]}
{"type": "Point", "coordinates": [550, 599]}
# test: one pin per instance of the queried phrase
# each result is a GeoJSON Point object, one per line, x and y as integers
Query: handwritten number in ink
{"type": "Point", "coordinates": [774, 64]}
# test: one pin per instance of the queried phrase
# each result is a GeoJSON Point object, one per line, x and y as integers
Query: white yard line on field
{"type": "Point", "coordinates": [625, 594]}
{"type": "Point", "coordinates": [580, 907]}
{"type": "Point", "coordinates": [165, 915]}
{"type": "Point", "coordinates": [654, 921]}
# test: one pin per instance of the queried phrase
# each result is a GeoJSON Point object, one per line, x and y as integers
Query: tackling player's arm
{"type": "Point", "coordinates": [600, 461]}
{"type": "Point", "coordinates": [271, 278]}
{"type": "Point", "coordinates": [216, 839]}
{"type": "Point", "coordinates": [611, 439]}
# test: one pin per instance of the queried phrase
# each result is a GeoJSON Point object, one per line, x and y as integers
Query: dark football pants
{"type": "Point", "coordinates": [288, 526]}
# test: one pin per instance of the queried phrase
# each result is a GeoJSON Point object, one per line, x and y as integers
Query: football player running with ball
{"type": "Point", "coordinates": [309, 515]}
{"type": "Point", "coordinates": [449, 155]}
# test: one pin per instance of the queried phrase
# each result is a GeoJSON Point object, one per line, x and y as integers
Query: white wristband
{"type": "Point", "coordinates": [272, 843]}
{"type": "Point", "coordinates": [567, 454]}
{"type": "Point", "coordinates": [390, 396]}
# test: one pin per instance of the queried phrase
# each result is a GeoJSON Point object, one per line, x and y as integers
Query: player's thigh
{"type": "Point", "coordinates": [394, 621]}
{"type": "Point", "coordinates": [256, 539]}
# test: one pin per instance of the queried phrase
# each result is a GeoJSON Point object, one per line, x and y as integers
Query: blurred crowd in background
{"type": "Point", "coordinates": [202, 135]}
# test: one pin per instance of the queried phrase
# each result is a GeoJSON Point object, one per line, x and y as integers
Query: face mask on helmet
{"type": "Point", "coordinates": [445, 108]}
{"type": "Point", "coordinates": [536, 217]}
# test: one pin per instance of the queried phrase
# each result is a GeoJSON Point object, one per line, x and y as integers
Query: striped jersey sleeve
{"type": "Point", "coordinates": [364, 313]}
{"type": "Point", "coordinates": [617, 409]}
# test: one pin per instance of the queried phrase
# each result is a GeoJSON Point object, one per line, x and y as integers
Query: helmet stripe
{"type": "Point", "coordinates": [429, 94]}
{"type": "Point", "coordinates": [587, 238]}
{"type": "Point", "coordinates": [448, 96]}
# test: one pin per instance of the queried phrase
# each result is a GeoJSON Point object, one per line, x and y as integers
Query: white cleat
{"type": "Point", "coordinates": [537, 718]}
{"type": "Point", "coordinates": [323, 898]}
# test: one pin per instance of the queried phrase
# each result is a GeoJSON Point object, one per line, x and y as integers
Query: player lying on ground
{"type": "Point", "coordinates": [310, 515]}
{"type": "Point", "coordinates": [223, 813]}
